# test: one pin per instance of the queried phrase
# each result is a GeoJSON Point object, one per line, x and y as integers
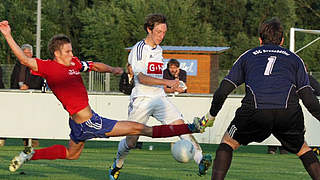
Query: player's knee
{"type": "Point", "coordinates": [131, 144]}
{"type": "Point", "coordinates": [73, 156]}
{"type": "Point", "coordinates": [176, 122]}
{"type": "Point", "coordinates": [305, 148]}
{"type": "Point", "coordinates": [138, 128]}
{"type": "Point", "coordinates": [225, 147]}
{"type": "Point", "coordinates": [230, 141]}
{"type": "Point", "coordinates": [309, 158]}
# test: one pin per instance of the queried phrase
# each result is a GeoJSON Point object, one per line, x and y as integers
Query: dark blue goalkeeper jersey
{"type": "Point", "coordinates": [272, 75]}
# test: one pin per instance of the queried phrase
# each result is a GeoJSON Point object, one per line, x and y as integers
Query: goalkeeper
{"type": "Point", "coordinates": [275, 79]}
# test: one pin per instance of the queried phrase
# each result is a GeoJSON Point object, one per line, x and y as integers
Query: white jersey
{"type": "Point", "coordinates": [149, 61]}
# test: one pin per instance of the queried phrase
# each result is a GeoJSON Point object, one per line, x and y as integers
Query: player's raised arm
{"type": "Point", "coordinates": [104, 68]}
{"type": "Point", "coordinates": [6, 32]}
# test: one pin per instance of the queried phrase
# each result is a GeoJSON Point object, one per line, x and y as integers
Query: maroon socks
{"type": "Point", "coordinates": [170, 130]}
{"type": "Point", "coordinates": [51, 153]}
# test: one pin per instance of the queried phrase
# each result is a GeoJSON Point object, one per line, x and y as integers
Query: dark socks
{"type": "Point", "coordinates": [222, 161]}
{"type": "Point", "coordinates": [311, 164]}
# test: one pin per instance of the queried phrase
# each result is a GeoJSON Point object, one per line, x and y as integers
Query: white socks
{"type": "Point", "coordinates": [123, 151]}
{"type": "Point", "coordinates": [198, 151]}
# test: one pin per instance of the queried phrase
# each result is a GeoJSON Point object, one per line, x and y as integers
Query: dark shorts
{"type": "Point", "coordinates": [95, 127]}
{"type": "Point", "coordinates": [255, 125]}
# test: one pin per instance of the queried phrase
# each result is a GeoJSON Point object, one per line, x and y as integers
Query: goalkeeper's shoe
{"type": "Point", "coordinates": [201, 123]}
{"type": "Point", "coordinates": [23, 157]}
{"type": "Point", "coordinates": [114, 171]}
{"type": "Point", "coordinates": [204, 165]}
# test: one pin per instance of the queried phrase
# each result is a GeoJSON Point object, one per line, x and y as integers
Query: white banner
{"type": "Point", "coordinates": [31, 114]}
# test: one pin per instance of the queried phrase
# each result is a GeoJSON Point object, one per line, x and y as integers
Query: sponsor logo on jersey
{"type": "Point", "coordinates": [73, 72]}
{"type": "Point", "coordinates": [154, 68]}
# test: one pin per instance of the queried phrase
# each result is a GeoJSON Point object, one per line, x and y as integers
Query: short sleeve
{"type": "Point", "coordinates": [42, 68]}
{"type": "Point", "coordinates": [82, 66]}
{"type": "Point", "coordinates": [138, 65]}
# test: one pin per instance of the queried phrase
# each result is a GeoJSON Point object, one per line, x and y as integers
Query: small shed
{"type": "Point", "coordinates": [201, 64]}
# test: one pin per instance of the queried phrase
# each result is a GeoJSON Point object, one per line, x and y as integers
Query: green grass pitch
{"type": "Point", "coordinates": [249, 163]}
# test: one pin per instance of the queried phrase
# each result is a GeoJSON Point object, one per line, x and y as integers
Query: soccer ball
{"type": "Point", "coordinates": [182, 151]}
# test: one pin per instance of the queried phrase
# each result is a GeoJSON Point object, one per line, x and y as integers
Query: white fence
{"type": "Point", "coordinates": [95, 81]}
{"type": "Point", "coordinates": [40, 115]}
{"type": "Point", "coordinates": [99, 82]}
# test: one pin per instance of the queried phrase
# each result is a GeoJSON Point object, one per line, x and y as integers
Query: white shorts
{"type": "Point", "coordinates": [141, 108]}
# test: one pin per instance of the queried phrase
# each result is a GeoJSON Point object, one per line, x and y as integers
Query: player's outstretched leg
{"type": "Point", "coordinates": [114, 171]}
{"type": "Point", "coordinates": [18, 161]}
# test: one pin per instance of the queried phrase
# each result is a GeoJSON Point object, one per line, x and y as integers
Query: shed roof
{"type": "Point", "coordinates": [192, 49]}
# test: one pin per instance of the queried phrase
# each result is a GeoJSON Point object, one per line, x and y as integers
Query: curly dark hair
{"type": "Point", "coordinates": [154, 19]}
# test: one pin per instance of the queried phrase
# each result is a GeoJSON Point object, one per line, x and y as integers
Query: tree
{"type": "Point", "coordinates": [112, 26]}
{"type": "Point", "coordinates": [20, 15]}
{"type": "Point", "coordinates": [308, 13]}
{"type": "Point", "coordinates": [62, 19]}
{"type": "Point", "coordinates": [102, 29]}
{"type": "Point", "coordinates": [101, 36]}
{"type": "Point", "coordinates": [259, 11]}
{"type": "Point", "coordinates": [239, 21]}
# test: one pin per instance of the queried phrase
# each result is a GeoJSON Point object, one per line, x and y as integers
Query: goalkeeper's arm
{"type": "Point", "coordinates": [310, 101]}
{"type": "Point", "coordinates": [218, 100]}
{"type": "Point", "coordinates": [220, 96]}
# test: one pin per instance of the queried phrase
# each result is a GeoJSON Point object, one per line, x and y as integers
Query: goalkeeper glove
{"type": "Point", "coordinates": [207, 120]}
{"type": "Point", "coordinates": [201, 123]}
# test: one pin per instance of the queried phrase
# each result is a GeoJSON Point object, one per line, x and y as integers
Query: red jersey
{"type": "Point", "coordinates": [65, 82]}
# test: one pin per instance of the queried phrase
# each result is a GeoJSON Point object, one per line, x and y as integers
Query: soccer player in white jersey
{"type": "Point", "coordinates": [148, 97]}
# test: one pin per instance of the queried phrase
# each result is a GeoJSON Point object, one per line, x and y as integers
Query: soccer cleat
{"type": "Point", "coordinates": [114, 171]}
{"type": "Point", "coordinates": [204, 165]}
{"type": "Point", "coordinates": [24, 156]}
{"type": "Point", "coordinates": [206, 121]}
{"type": "Point", "coordinates": [316, 150]}
{"type": "Point", "coordinates": [2, 142]}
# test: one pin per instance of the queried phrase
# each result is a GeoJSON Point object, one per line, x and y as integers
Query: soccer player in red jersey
{"type": "Point", "coordinates": [64, 79]}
